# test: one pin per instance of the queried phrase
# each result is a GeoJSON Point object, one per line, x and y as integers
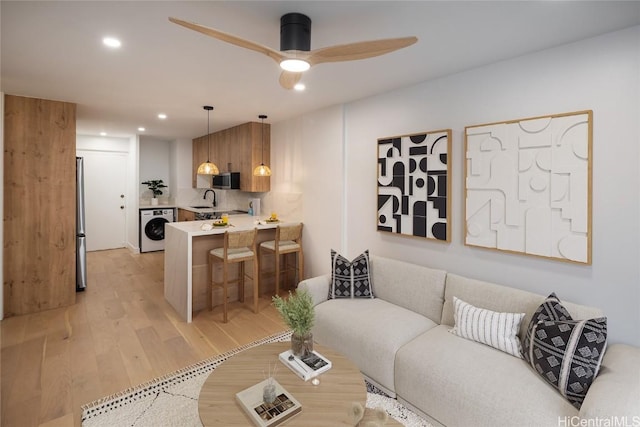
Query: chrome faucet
{"type": "Point", "coordinates": [214, 196]}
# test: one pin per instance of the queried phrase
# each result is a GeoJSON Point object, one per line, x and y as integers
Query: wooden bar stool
{"type": "Point", "coordinates": [288, 241]}
{"type": "Point", "coordinates": [239, 246]}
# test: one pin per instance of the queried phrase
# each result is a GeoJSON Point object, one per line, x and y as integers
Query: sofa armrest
{"type": "Point", "coordinates": [318, 288]}
{"type": "Point", "coordinates": [616, 390]}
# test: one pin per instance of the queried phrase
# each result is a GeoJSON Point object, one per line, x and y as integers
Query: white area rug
{"type": "Point", "coordinates": [173, 399]}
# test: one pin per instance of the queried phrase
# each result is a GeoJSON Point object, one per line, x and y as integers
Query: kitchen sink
{"type": "Point", "coordinates": [201, 207]}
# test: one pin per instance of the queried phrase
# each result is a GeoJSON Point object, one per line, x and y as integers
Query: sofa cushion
{"type": "Point", "coordinates": [616, 391]}
{"type": "Point", "coordinates": [497, 330]}
{"type": "Point", "coordinates": [414, 287]}
{"type": "Point", "coordinates": [566, 353]}
{"type": "Point", "coordinates": [501, 298]}
{"type": "Point", "coordinates": [463, 383]}
{"type": "Point", "coordinates": [368, 332]}
{"type": "Point", "coordinates": [350, 279]}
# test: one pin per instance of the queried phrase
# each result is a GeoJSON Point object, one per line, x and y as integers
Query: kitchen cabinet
{"type": "Point", "coordinates": [237, 149]}
{"type": "Point", "coordinates": [185, 215]}
{"type": "Point", "coordinates": [39, 205]}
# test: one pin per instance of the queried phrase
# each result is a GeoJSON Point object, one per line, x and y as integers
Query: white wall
{"type": "Point", "coordinates": [155, 163]}
{"type": "Point", "coordinates": [601, 74]}
{"type": "Point", "coordinates": [307, 157]}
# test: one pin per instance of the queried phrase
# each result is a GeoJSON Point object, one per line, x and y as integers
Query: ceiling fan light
{"type": "Point", "coordinates": [262, 170]}
{"type": "Point", "coordinates": [295, 65]}
{"type": "Point", "coordinates": [208, 168]}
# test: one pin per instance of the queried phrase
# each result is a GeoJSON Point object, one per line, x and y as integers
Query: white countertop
{"type": "Point", "coordinates": [158, 206]}
{"type": "Point", "coordinates": [236, 222]}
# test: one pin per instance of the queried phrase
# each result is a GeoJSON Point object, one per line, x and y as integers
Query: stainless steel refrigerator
{"type": "Point", "coordinates": [81, 242]}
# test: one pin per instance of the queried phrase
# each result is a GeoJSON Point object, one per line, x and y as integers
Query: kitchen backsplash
{"type": "Point", "coordinates": [286, 205]}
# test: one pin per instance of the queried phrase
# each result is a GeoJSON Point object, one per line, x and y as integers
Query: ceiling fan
{"type": "Point", "coordinates": [295, 55]}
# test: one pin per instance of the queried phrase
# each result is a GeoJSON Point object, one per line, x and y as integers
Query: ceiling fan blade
{"type": "Point", "coordinates": [359, 50]}
{"type": "Point", "coordinates": [288, 79]}
{"type": "Point", "coordinates": [230, 38]}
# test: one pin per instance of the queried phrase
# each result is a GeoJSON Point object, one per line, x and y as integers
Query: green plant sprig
{"type": "Point", "coordinates": [155, 186]}
{"type": "Point", "coordinates": [296, 311]}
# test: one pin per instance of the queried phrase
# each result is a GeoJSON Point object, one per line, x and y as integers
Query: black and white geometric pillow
{"type": "Point", "coordinates": [565, 352]}
{"type": "Point", "coordinates": [568, 354]}
{"type": "Point", "coordinates": [350, 279]}
{"type": "Point", "coordinates": [550, 309]}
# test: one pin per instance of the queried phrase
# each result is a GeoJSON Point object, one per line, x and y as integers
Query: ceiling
{"type": "Point", "coordinates": [54, 50]}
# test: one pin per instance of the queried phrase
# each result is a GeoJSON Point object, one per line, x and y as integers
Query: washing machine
{"type": "Point", "coordinates": [152, 223]}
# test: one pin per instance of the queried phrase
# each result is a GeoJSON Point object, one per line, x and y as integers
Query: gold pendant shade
{"type": "Point", "coordinates": [262, 170]}
{"type": "Point", "coordinates": [208, 168]}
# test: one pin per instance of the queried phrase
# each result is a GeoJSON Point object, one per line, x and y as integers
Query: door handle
{"type": "Point", "coordinates": [121, 207]}
{"type": "Point", "coordinates": [122, 196]}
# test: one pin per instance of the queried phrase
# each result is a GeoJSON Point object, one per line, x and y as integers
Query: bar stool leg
{"type": "Point", "coordinates": [225, 274]}
{"type": "Point", "coordinates": [256, 276]}
{"type": "Point", "coordinates": [241, 282]}
{"type": "Point", "coordinates": [210, 282]}
{"type": "Point", "coordinates": [300, 266]}
{"type": "Point", "coordinates": [277, 256]}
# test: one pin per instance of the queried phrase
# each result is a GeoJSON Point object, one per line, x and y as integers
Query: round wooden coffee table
{"type": "Point", "coordinates": [325, 404]}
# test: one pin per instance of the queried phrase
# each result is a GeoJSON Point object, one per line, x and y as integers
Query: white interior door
{"type": "Point", "coordinates": [105, 178]}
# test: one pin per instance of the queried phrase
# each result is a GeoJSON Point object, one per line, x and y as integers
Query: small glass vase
{"type": "Point", "coordinates": [301, 346]}
{"type": "Point", "coordinates": [269, 393]}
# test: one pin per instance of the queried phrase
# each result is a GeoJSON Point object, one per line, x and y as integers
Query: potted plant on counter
{"type": "Point", "coordinates": [155, 186]}
{"type": "Point", "coordinates": [297, 312]}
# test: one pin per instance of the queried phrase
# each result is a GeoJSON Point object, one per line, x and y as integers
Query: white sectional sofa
{"type": "Point", "coordinates": [401, 342]}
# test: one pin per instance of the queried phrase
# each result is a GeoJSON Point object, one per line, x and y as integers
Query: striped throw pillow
{"type": "Point", "coordinates": [498, 330]}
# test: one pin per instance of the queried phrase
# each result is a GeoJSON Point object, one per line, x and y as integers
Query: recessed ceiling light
{"type": "Point", "coordinates": [162, 116]}
{"type": "Point", "coordinates": [103, 134]}
{"type": "Point", "coordinates": [141, 129]}
{"type": "Point", "coordinates": [111, 42]}
{"type": "Point", "coordinates": [299, 87]}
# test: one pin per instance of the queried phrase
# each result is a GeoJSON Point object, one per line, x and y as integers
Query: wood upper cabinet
{"type": "Point", "coordinates": [237, 149]}
{"type": "Point", "coordinates": [200, 155]}
{"type": "Point", "coordinates": [39, 205]}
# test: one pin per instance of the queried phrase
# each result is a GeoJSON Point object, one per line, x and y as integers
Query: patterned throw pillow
{"type": "Point", "coordinates": [550, 309]}
{"type": "Point", "coordinates": [566, 353]}
{"type": "Point", "coordinates": [350, 279]}
{"type": "Point", "coordinates": [498, 330]}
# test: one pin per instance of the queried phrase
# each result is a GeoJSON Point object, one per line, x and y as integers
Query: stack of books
{"type": "Point", "coordinates": [306, 367]}
{"type": "Point", "coordinates": [264, 414]}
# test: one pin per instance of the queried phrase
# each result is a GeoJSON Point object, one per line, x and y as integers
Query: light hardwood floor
{"type": "Point", "coordinates": [120, 333]}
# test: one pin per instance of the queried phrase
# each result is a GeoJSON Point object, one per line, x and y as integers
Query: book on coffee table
{"type": "Point", "coordinates": [264, 414]}
{"type": "Point", "coordinates": [306, 367]}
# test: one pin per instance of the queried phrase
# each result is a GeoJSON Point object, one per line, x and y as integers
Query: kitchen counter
{"type": "Point", "coordinates": [186, 252]}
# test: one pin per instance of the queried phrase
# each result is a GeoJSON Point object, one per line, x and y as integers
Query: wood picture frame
{"type": "Point", "coordinates": [414, 185]}
{"type": "Point", "coordinates": [528, 186]}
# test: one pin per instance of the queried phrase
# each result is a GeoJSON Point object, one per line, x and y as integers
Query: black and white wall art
{"type": "Point", "coordinates": [528, 186]}
{"type": "Point", "coordinates": [414, 185]}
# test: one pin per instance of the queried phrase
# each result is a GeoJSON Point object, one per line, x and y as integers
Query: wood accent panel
{"type": "Point", "coordinates": [39, 205]}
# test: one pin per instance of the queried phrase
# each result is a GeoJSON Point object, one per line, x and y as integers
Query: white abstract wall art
{"type": "Point", "coordinates": [528, 186]}
{"type": "Point", "coordinates": [414, 185]}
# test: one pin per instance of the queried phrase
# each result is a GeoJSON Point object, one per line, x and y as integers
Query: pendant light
{"type": "Point", "coordinates": [208, 168]}
{"type": "Point", "coordinates": [262, 170]}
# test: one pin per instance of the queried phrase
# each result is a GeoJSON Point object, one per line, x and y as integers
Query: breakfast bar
{"type": "Point", "coordinates": [187, 245]}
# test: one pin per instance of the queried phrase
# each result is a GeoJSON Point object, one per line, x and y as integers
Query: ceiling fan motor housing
{"type": "Point", "coordinates": [295, 32]}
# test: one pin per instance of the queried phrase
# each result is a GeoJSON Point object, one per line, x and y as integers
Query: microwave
{"type": "Point", "coordinates": [227, 181]}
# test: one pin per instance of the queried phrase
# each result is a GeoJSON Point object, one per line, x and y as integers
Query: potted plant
{"type": "Point", "coordinates": [297, 312]}
{"type": "Point", "coordinates": [155, 186]}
